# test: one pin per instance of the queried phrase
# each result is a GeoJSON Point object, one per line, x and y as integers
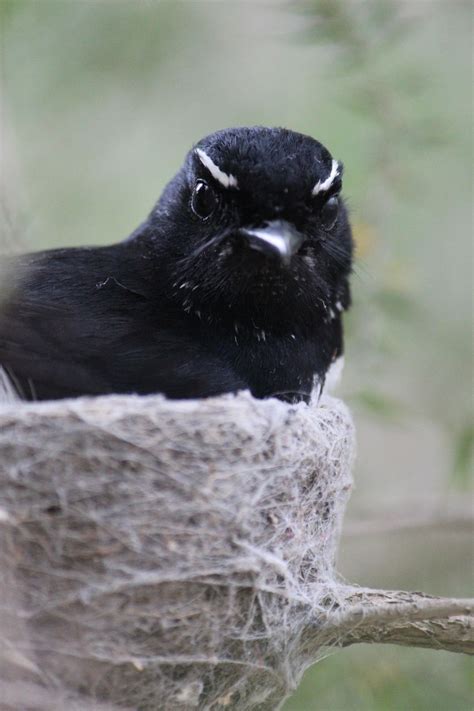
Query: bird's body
{"type": "Point", "coordinates": [195, 304]}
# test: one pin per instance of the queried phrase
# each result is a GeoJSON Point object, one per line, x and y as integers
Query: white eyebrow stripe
{"type": "Point", "coordinates": [225, 179]}
{"type": "Point", "coordinates": [326, 184]}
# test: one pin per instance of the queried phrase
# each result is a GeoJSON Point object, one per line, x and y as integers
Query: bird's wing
{"type": "Point", "coordinates": [114, 341]}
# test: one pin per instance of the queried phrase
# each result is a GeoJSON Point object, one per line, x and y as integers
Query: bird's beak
{"type": "Point", "coordinates": [276, 239]}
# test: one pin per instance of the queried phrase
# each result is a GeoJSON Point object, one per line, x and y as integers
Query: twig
{"type": "Point", "coordinates": [405, 618]}
{"type": "Point", "coordinates": [459, 522]}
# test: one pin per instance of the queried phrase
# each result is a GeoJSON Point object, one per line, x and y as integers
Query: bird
{"type": "Point", "coordinates": [238, 279]}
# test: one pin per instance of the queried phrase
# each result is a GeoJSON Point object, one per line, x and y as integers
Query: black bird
{"type": "Point", "coordinates": [236, 280]}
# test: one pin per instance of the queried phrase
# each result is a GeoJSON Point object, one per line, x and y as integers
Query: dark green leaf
{"type": "Point", "coordinates": [463, 457]}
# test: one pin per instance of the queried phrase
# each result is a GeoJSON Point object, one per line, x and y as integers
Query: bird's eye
{"type": "Point", "coordinates": [329, 212]}
{"type": "Point", "coordinates": [203, 200]}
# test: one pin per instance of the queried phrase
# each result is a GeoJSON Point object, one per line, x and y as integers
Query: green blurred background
{"type": "Point", "coordinates": [101, 100]}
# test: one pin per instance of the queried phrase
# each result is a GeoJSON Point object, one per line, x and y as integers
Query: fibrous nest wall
{"type": "Point", "coordinates": [167, 555]}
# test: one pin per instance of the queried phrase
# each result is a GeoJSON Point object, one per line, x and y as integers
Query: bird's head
{"type": "Point", "coordinates": [254, 221]}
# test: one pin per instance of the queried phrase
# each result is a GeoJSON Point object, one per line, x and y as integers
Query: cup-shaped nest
{"type": "Point", "coordinates": [162, 554]}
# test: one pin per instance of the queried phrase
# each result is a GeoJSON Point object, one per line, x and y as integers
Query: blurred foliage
{"type": "Point", "coordinates": [103, 98]}
{"type": "Point", "coordinates": [378, 75]}
{"type": "Point", "coordinates": [463, 456]}
{"type": "Point", "coordinates": [379, 405]}
{"type": "Point", "coordinates": [401, 680]}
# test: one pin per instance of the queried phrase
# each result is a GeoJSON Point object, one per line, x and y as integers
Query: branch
{"type": "Point", "coordinates": [405, 618]}
{"type": "Point", "coordinates": [461, 521]}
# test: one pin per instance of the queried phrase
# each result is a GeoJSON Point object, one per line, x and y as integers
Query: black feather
{"type": "Point", "coordinates": [184, 307]}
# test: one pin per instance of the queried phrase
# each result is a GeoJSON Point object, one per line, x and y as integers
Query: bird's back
{"type": "Point", "coordinates": [89, 321]}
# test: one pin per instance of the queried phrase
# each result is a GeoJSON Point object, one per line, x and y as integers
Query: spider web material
{"type": "Point", "coordinates": [167, 555]}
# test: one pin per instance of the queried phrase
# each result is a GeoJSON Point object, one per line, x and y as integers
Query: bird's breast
{"type": "Point", "coordinates": [278, 365]}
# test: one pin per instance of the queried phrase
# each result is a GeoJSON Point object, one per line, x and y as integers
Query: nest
{"type": "Point", "coordinates": [167, 555]}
